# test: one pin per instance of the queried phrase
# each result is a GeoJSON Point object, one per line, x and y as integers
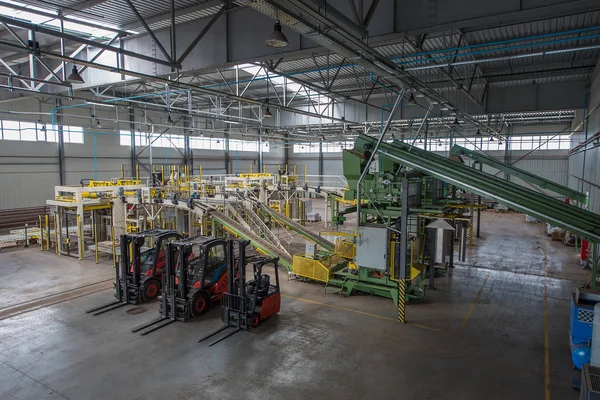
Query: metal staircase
{"type": "Point", "coordinates": [242, 211]}
{"type": "Point", "coordinates": [238, 229]}
{"type": "Point", "coordinates": [324, 243]}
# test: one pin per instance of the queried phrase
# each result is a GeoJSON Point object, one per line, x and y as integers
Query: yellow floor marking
{"type": "Point", "coordinates": [546, 336]}
{"type": "Point", "coordinates": [474, 303]}
{"type": "Point", "coordinates": [358, 312]}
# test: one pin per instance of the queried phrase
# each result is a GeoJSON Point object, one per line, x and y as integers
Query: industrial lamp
{"type": "Point", "coordinates": [411, 100]}
{"type": "Point", "coordinates": [98, 124]}
{"type": "Point", "coordinates": [169, 119]}
{"type": "Point", "coordinates": [277, 38]}
{"type": "Point", "coordinates": [491, 138]}
{"type": "Point", "coordinates": [75, 77]}
{"type": "Point", "coordinates": [478, 133]}
{"type": "Point", "coordinates": [268, 113]}
{"type": "Point", "coordinates": [456, 121]}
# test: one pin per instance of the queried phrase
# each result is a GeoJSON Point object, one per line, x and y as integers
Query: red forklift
{"type": "Point", "coordinates": [247, 303]}
{"type": "Point", "coordinates": [195, 278]}
{"type": "Point", "coordinates": [141, 267]}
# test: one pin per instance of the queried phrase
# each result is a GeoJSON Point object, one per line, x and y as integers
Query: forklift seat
{"type": "Point", "coordinates": [263, 285]}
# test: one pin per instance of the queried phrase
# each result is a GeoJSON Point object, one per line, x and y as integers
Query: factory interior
{"type": "Point", "coordinates": [267, 199]}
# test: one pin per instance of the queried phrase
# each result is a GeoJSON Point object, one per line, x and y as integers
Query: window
{"type": "Point", "coordinates": [11, 130]}
{"type": "Point", "coordinates": [125, 138]}
{"type": "Point", "coordinates": [28, 131]}
{"type": "Point", "coordinates": [546, 142]}
{"type": "Point", "coordinates": [328, 147]}
{"type": "Point", "coordinates": [73, 134]}
{"type": "Point", "coordinates": [40, 132]}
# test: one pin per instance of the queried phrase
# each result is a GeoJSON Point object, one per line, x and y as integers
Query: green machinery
{"type": "Point", "coordinates": [393, 199]}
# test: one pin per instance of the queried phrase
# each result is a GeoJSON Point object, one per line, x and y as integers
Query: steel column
{"type": "Point", "coordinates": [61, 146]}
{"type": "Point", "coordinates": [132, 132]}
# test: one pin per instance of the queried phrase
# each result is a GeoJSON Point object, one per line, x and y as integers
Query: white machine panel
{"type": "Point", "coordinates": [372, 247]}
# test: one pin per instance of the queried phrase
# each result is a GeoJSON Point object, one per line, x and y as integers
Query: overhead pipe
{"type": "Point", "coordinates": [334, 67]}
{"type": "Point", "coordinates": [502, 42]}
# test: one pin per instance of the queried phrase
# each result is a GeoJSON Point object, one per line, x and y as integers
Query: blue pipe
{"type": "Point", "coordinates": [474, 46]}
{"type": "Point", "coordinates": [376, 81]}
{"type": "Point", "coordinates": [499, 50]}
{"type": "Point", "coordinates": [108, 101]}
{"type": "Point", "coordinates": [427, 53]}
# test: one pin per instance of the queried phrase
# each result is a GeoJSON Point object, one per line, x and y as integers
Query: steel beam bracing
{"type": "Point", "coordinates": [305, 20]}
{"type": "Point", "coordinates": [296, 227]}
{"type": "Point", "coordinates": [174, 84]}
{"type": "Point", "coordinates": [75, 38]}
{"type": "Point", "coordinates": [525, 175]}
{"type": "Point", "coordinates": [545, 208]}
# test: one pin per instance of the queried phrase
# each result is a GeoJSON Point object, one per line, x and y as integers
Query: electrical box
{"type": "Point", "coordinates": [311, 250]}
{"type": "Point", "coordinates": [372, 247]}
{"type": "Point", "coordinates": [374, 167]}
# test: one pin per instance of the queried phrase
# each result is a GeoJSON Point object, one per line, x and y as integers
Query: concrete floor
{"type": "Point", "coordinates": [481, 334]}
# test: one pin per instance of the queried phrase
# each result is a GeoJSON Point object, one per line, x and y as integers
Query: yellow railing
{"type": "Point", "coordinates": [318, 270]}
{"type": "Point", "coordinates": [345, 245]}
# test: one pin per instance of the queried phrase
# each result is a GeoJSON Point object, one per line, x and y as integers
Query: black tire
{"type": "Point", "coordinates": [254, 320]}
{"type": "Point", "coordinates": [150, 289]}
{"type": "Point", "coordinates": [199, 304]}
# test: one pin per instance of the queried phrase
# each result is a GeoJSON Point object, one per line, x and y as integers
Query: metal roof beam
{"type": "Point", "coordinates": [52, 32]}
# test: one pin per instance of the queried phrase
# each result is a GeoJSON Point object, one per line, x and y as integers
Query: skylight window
{"type": "Point", "coordinates": [69, 26]}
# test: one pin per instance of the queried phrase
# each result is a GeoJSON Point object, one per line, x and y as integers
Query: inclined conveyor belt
{"type": "Point", "coordinates": [519, 173]}
{"type": "Point", "coordinates": [545, 208]}
{"type": "Point", "coordinates": [296, 227]}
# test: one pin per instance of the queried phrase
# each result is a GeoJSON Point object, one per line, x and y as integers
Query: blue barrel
{"type": "Point", "coordinates": [580, 354]}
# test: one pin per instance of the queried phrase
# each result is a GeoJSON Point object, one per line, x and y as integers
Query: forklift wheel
{"type": "Point", "coordinates": [200, 304]}
{"type": "Point", "coordinates": [254, 320]}
{"type": "Point", "coordinates": [150, 289]}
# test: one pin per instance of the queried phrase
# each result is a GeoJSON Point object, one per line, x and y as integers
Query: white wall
{"type": "Point", "coordinates": [30, 170]}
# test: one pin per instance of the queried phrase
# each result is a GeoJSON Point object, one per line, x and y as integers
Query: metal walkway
{"type": "Point", "coordinates": [545, 208]}
{"type": "Point", "coordinates": [519, 173]}
{"type": "Point", "coordinates": [296, 227]}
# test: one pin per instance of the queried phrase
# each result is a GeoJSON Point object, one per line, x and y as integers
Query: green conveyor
{"type": "Point", "coordinates": [545, 208]}
{"type": "Point", "coordinates": [257, 241]}
{"type": "Point", "coordinates": [525, 175]}
{"type": "Point", "coordinates": [243, 233]}
{"type": "Point", "coordinates": [296, 227]}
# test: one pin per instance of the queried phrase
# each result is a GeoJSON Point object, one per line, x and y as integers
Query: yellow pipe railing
{"type": "Point", "coordinates": [48, 232]}
{"type": "Point", "coordinates": [79, 236]}
{"type": "Point", "coordinates": [41, 238]}
{"type": "Point", "coordinates": [96, 240]}
{"type": "Point", "coordinates": [55, 233]}
{"type": "Point", "coordinates": [114, 253]}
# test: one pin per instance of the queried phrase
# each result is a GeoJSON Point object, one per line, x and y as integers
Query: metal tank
{"type": "Point", "coordinates": [439, 234]}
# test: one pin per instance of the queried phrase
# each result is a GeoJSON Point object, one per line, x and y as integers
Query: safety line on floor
{"type": "Point", "coordinates": [359, 312]}
{"type": "Point", "coordinates": [52, 299]}
{"type": "Point", "coordinates": [474, 303]}
{"type": "Point", "coordinates": [546, 336]}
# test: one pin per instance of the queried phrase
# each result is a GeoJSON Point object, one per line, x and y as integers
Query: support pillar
{"type": "Point", "coordinates": [403, 250]}
{"type": "Point", "coordinates": [132, 131]}
{"type": "Point", "coordinates": [61, 145]}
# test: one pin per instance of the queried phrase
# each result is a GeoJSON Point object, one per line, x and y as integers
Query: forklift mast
{"type": "Point", "coordinates": [132, 284]}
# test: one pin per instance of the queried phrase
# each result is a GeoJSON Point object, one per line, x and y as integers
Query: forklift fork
{"type": "Point", "coordinates": [121, 281]}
